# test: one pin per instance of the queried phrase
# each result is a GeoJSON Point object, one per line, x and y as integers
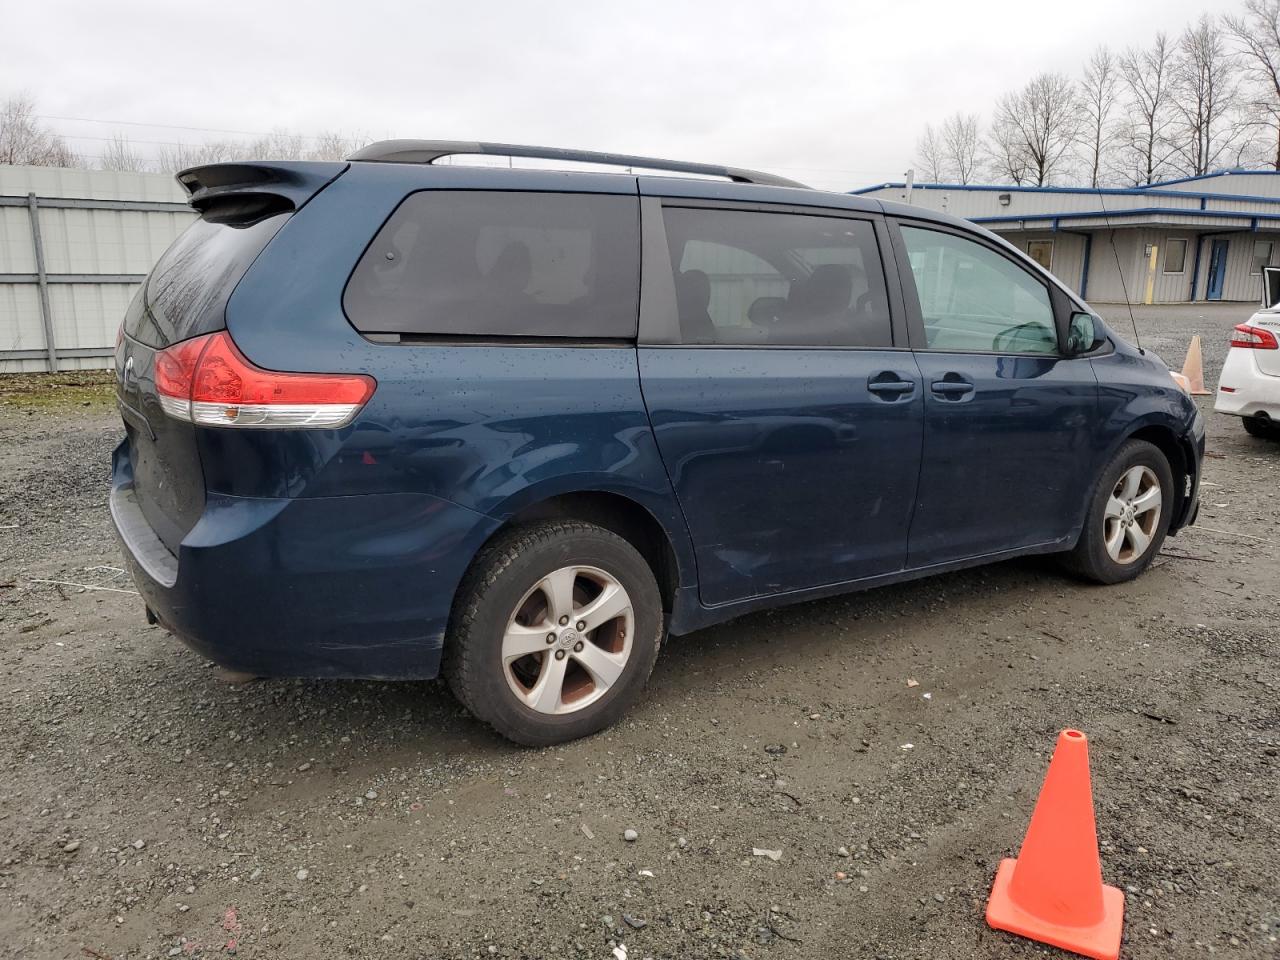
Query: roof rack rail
{"type": "Point", "coordinates": [428, 151]}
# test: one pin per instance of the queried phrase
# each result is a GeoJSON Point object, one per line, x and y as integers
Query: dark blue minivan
{"type": "Point", "coordinates": [391, 418]}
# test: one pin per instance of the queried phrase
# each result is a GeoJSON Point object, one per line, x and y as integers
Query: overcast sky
{"type": "Point", "coordinates": [833, 94]}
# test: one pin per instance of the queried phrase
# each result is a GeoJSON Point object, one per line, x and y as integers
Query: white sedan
{"type": "Point", "coordinates": [1250, 383]}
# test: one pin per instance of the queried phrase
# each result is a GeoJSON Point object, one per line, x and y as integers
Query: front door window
{"type": "Point", "coordinates": [974, 300]}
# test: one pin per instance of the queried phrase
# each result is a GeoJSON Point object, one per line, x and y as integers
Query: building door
{"type": "Point", "coordinates": [1217, 270]}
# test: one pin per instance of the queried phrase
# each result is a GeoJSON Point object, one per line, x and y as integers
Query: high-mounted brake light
{"type": "Point", "coordinates": [206, 380]}
{"type": "Point", "coordinates": [1253, 338]}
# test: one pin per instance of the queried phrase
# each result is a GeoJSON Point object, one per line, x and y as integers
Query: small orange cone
{"type": "Point", "coordinates": [1053, 891]}
{"type": "Point", "coordinates": [1193, 368]}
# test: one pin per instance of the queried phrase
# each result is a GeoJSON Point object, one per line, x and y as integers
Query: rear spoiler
{"type": "Point", "coordinates": [245, 193]}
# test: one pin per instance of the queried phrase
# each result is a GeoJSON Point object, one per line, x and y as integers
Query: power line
{"type": "Point", "coordinates": [170, 126]}
{"type": "Point", "coordinates": [130, 140]}
{"type": "Point", "coordinates": [303, 136]}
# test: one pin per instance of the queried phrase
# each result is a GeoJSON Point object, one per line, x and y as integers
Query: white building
{"type": "Point", "coordinates": [1200, 238]}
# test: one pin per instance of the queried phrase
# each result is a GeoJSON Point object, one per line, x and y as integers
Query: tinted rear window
{"type": "Point", "coordinates": [186, 294]}
{"type": "Point", "coordinates": [475, 263]}
{"type": "Point", "coordinates": [747, 277]}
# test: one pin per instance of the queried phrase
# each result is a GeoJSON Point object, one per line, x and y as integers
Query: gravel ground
{"type": "Point", "coordinates": [890, 744]}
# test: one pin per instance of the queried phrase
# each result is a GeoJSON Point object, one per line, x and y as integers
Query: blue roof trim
{"type": "Point", "coordinates": [1139, 212]}
{"type": "Point", "coordinates": [1234, 172]}
{"type": "Point", "coordinates": [1151, 191]}
{"type": "Point", "coordinates": [1012, 188]}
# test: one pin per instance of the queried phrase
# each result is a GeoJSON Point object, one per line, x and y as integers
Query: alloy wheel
{"type": "Point", "coordinates": [1132, 514]}
{"type": "Point", "coordinates": [568, 640]}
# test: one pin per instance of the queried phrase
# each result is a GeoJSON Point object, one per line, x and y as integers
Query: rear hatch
{"type": "Point", "coordinates": [242, 207]}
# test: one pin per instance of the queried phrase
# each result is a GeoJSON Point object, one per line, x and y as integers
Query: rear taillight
{"type": "Point", "coordinates": [207, 380]}
{"type": "Point", "coordinates": [1253, 338]}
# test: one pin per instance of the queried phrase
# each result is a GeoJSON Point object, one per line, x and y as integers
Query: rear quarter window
{"type": "Point", "coordinates": [493, 264]}
{"type": "Point", "coordinates": [186, 293]}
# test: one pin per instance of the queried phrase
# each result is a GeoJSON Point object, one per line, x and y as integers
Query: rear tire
{"type": "Point", "coordinates": [1263, 428]}
{"type": "Point", "coordinates": [555, 630]}
{"type": "Point", "coordinates": [1126, 522]}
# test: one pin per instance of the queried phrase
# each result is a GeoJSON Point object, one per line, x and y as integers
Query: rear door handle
{"type": "Point", "coordinates": [951, 389]}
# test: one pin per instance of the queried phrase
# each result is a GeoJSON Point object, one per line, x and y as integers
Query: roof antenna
{"type": "Point", "coordinates": [1137, 339]}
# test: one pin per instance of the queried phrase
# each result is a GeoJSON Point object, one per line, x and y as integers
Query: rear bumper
{"type": "Point", "coordinates": [1244, 390]}
{"type": "Point", "coordinates": [306, 587]}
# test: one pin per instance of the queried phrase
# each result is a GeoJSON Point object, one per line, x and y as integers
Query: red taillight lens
{"type": "Point", "coordinates": [1253, 338]}
{"type": "Point", "coordinates": [207, 380]}
{"type": "Point", "coordinates": [176, 367]}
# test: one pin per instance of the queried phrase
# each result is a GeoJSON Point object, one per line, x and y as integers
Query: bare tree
{"type": "Point", "coordinates": [929, 156]}
{"type": "Point", "coordinates": [960, 142]}
{"type": "Point", "coordinates": [1099, 96]}
{"type": "Point", "coordinates": [1148, 78]}
{"type": "Point", "coordinates": [119, 154]}
{"type": "Point", "coordinates": [1206, 75]}
{"type": "Point", "coordinates": [332, 145]}
{"type": "Point", "coordinates": [278, 145]}
{"type": "Point", "coordinates": [179, 156]}
{"type": "Point", "coordinates": [25, 140]}
{"type": "Point", "coordinates": [1006, 159]}
{"type": "Point", "coordinates": [1034, 130]}
{"type": "Point", "coordinates": [1257, 34]}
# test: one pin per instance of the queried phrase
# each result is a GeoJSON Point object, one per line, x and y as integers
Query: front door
{"type": "Point", "coordinates": [789, 423]}
{"type": "Point", "coordinates": [1217, 270]}
{"type": "Point", "coordinates": [1007, 458]}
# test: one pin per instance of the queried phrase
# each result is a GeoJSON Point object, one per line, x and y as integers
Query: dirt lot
{"type": "Point", "coordinates": [148, 808]}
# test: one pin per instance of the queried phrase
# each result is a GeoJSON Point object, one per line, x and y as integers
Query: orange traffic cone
{"type": "Point", "coordinates": [1193, 368]}
{"type": "Point", "coordinates": [1053, 891]}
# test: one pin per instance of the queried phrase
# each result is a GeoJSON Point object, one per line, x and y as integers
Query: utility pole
{"type": "Point", "coordinates": [911, 182]}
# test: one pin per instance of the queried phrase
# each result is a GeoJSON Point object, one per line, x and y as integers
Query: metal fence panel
{"type": "Point", "coordinates": [107, 241]}
{"type": "Point", "coordinates": [74, 245]}
{"type": "Point", "coordinates": [20, 327]}
{"type": "Point", "coordinates": [16, 253]}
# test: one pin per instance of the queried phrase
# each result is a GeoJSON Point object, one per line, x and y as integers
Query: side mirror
{"type": "Point", "coordinates": [1082, 334]}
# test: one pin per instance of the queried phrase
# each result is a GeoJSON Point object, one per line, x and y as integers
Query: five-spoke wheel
{"type": "Point", "coordinates": [1132, 514]}
{"type": "Point", "coordinates": [568, 639]}
{"type": "Point", "coordinates": [1128, 515]}
{"type": "Point", "coordinates": [555, 631]}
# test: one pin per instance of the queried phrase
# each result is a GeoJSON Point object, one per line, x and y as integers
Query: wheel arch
{"type": "Point", "coordinates": [1166, 437]}
{"type": "Point", "coordinates": [1182, 461]}
{"type": "Point", "coordinates": [668, 552]}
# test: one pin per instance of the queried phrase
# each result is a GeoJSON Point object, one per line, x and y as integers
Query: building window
{"type": "Point", "coordinates": [1261, 255]}
{"type": "Point", "coordinates": [1175, 256]}
{"type": "Point", "coordinates": [1041, 251]}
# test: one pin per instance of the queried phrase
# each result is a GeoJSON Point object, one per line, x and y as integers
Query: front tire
{"type": "Point", "coordinates": [1128, 516]}
{"type": "Point", "coordinates": [555, 631]}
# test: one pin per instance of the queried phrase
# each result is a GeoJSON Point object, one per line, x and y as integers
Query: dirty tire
{"type": "Point", "coordinates": [1262, 428]}
{"type": "Point", "coordinates": [1090, 559]}
{"type": "Point", "coordinates": [502, 574]}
